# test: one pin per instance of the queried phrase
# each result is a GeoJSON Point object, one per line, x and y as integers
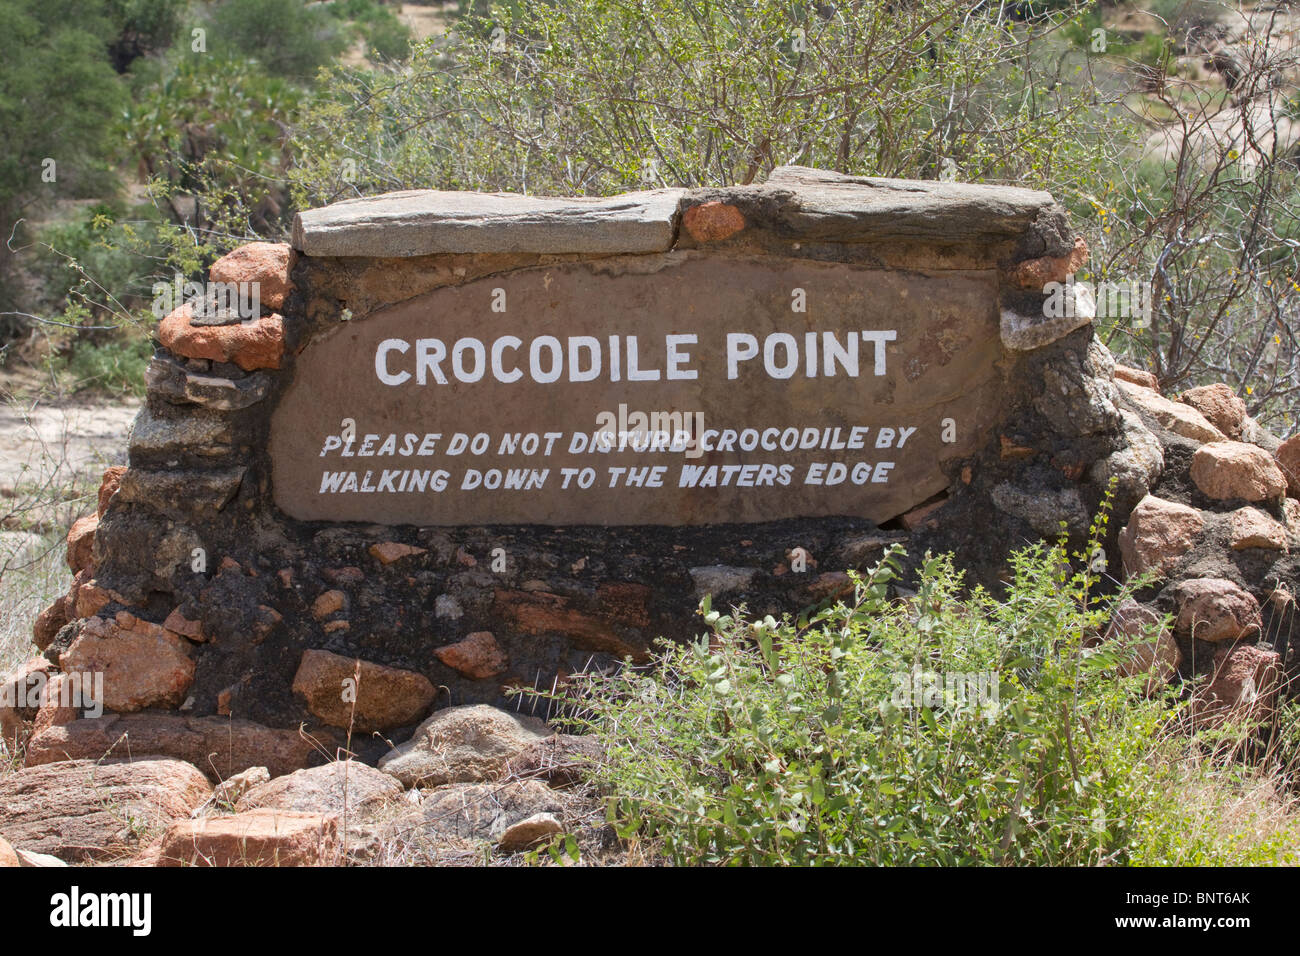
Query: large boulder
{"type": "Point", "coordinates": [220, 746]}
{"type": "Point", "coordinates": [1229, 470]}
{"type": "Point", "coordinates": [266, 263]}
{"type": "Point", "coordinates": [1215, 610]}
{"type": "Point", "coordinates": [343, 691]}
{"type": "Point", "coordinates": [1158, 533]}
{"type": "Point", "coordinates": [1243, 686]}
{"type": "Point", "coordinates": [462, 745]}
{"type": "Point", "coordinates": [343, 786]}
{"type": "Point", "coordinates": [255, 838]}
{"type": "Point", "coordinates": [1172, 416]}
{"type": "Point", "coordinates": [87, 810]}
{"type": "Point", "coordinates": [1220, 405]}
{"type": "Point", "coordinates": [144, 664]}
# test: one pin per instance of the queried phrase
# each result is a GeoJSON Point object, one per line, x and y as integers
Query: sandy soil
{"type": "Point", "coordinates": [56, 445]}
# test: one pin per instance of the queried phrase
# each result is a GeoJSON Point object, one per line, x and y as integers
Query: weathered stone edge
{"type": "Point", "coordinates": [805, 203]}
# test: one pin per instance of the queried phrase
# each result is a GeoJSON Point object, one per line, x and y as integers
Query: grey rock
{"type": "Point", "coordinates": [230, 790]}
{"type": "Point", "coordinates": [487, 811]}
{"type": "Point", "coordinates": [831, 206]}
{"type": "Point", "coordinates": [1043, 510]}
{"type": "Point", "coordinates": [157, 437]}
{"type": "Point", "coordinates": [330, 788]}
{"type": "Point", "coordinates": [1256, 434]}
{"type": "Point", "coordinates": [1023, 333]}
{"type": "Point", "coordinates": [168, 379]}
{"type": "Point", "coordinates": [1074, 400]}
{"type": "Point", "coordinates": [721, 579]}
{"type": "Point", "coordinates": [180, 493]}
{"type": "Point", "coordinates": [464, 745]}
{"type": "Point", "coordinates": [447, 608]}
{"type": "Point", "coordinates": [529, 832]}
{"type": "Point", "coordinates": [425, 222]}
{"type": "Point", "coordinates": [1136, 467]}
{"type": "Point", "coordinates": [28, 858]}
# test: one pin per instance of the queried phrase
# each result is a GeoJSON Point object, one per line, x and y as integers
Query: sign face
{"type": "Point", "coordinates": [676, 389]}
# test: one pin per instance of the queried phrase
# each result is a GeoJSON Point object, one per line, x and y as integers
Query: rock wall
{"type": "Point", "coordinates": [222, 624]}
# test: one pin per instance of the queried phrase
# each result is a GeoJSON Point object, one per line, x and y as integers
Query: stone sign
{"type": "Point", "coordinates": [682, 390]}
{"type": "Point", "coordinates": [462, 444]}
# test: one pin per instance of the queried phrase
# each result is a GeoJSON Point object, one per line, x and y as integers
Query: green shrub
{"type": "Point", "coordinates": [789, 742]}
{"type": "Point", "coordinates": [116, 366]}
{"type": "Point", "coordinates": [288, 37]}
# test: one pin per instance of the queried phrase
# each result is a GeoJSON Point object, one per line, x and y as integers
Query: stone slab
{"type": "Point", "coordinates": [425, 222]}
{"type": "Point", "coordinates": [941, 364]}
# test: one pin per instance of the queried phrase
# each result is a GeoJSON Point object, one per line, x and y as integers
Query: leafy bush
{"type": "Point", "coordinates": [592, 97]}
{"type": "Point", "coordinates": [288, 37]}
{"type": "Point", "coordinates": [117, 366]}
{"type": "Point", "coordinates": [807, 742]}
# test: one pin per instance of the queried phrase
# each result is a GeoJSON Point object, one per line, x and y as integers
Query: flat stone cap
{"type": "Point", "coordinates": [795, 201]}
{"type": "Point", "coordinates": [427, 221]}
{"type": "Point", "coordinates": [833, 206]}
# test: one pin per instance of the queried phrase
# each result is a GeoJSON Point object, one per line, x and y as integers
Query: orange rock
{"type": "Point", "coordinates": [1011, 450]}
{"type": "Point", "coordinates": [89, 598]}
{"type": "Point", "coordinates": [1288, 459]}
{"type": "Point", "coordinates": [1220, 405]}
{"type": "Point", "coordinates": [143, 664]}
{"type": "Point", "coordinates": [327, 604]}
{"type": "Point", "coordinates": [254, 344]}
{"type": "Point", "coordinates": [1158, 533]}
{"type": "Point", "coordinates": [1251, 528]}
{"type": "Point", "coordinates": [254, 838]}
{"type": "Point", "coordinates": [8, 857]}
{"type": "Point", "coordinates": [387, 552]}
{"type": "Point", "coordinates": [713, 221]}
{"type": "Point", "coordinates": [50, 621]}
{"type": "Point", "coordinates": [1137, 376]}
{"type": "Point", "coordinates": [108, 486]}
{"type": "Point", "coordinates": [922, 515]}
{"type": "Point", "coordinates": [1227, 470]}
{"type": "Point", "coordinates": [60, 699]}
{"type": "Point", "coordinates": [478, 656]}
{"type": "Point", "coordinates": [383, 698]}
{"type": "Point", "coordinates": [81, 543]}
{"type": "Point", "coordinates": [20, 692]}
{"type": "Point", "coordinates": [1036, 273]}
{"type": "Point", "coordinates": [1216, 609]}
{"type": "Point", "coordinates": [266, 263]}
{"type": "Point", "coordinates": [221, 746]}
{"type": "Point", "coordinates": [178, 623]}
{"type": "Point", "coordinates": [1243, 686]}
{"type": "Point", "coordinates": [538, 612]}
{"type": "Point", "coordinates": [1145, 646]}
